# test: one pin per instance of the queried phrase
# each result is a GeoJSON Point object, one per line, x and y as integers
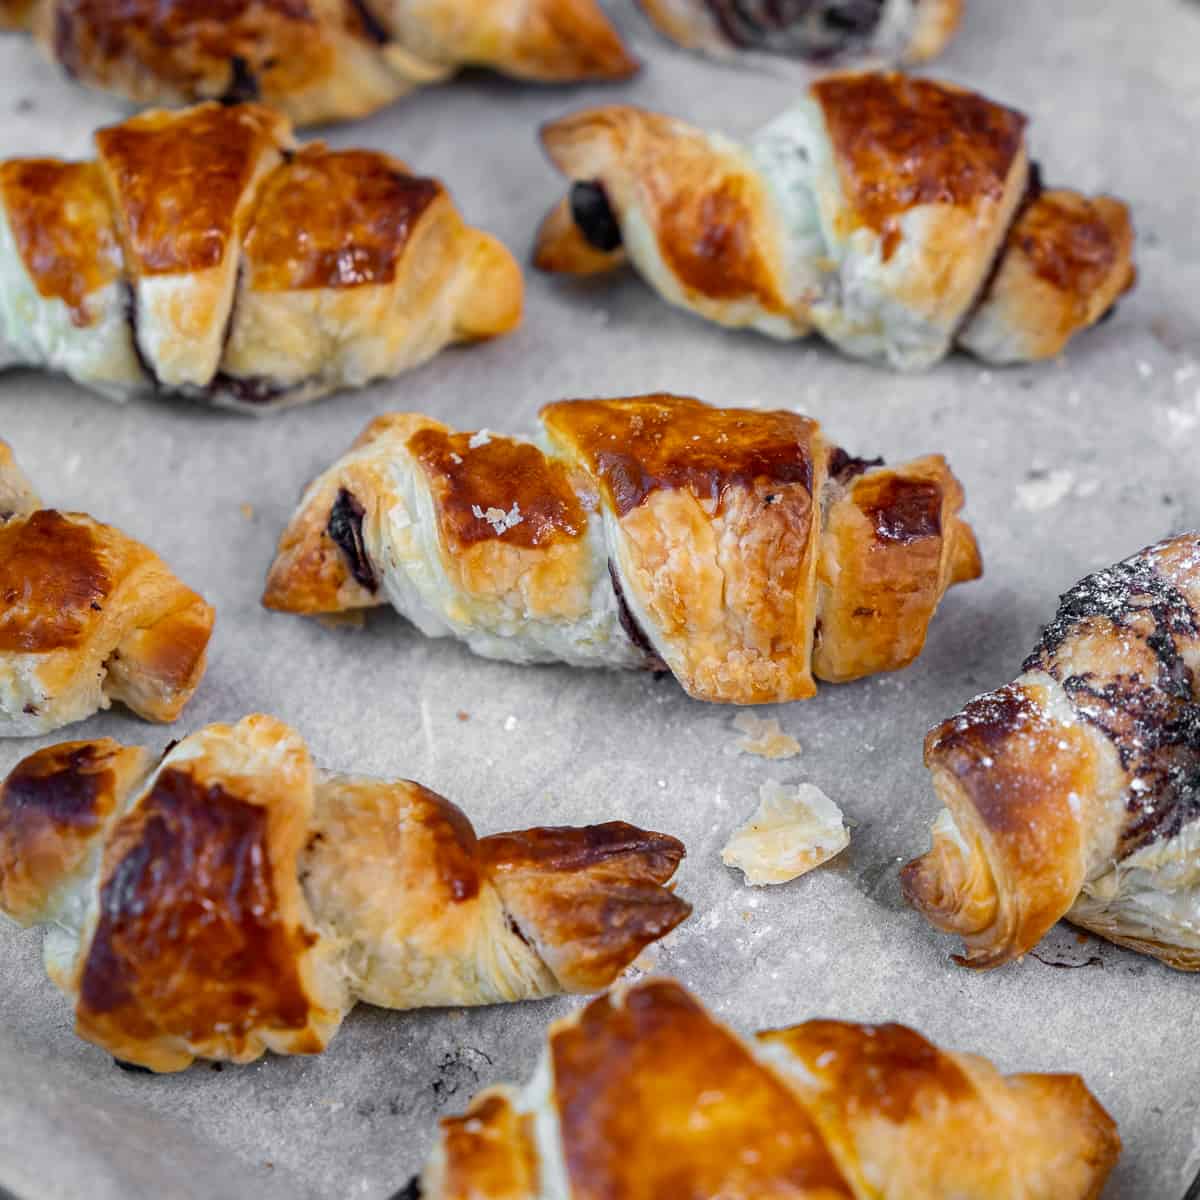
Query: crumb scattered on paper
{"type": "Point", "coordinates": [463, 716]}
{"type": "Point", "coordinates": [247, 511]}
{"type": "Point", "coordinates": [1044, 489]}
{"type": "Point", "coordinates": [794, 829]}
{"type": "Point", "coordinates": [510, 723]}
{"type": "Point", "coordinates": [763, 737]}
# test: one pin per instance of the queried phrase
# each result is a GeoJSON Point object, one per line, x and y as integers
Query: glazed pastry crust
{"type": "Point", "coordinates": [231, 899]}
{"type": "Point", "coordinates": [205, 253]}
{"type": "Point", "coordinates": [92, 617]}
{"type": "Point", "coordinates": [898, 217]}
{"type": "Point", "coordinates": [315, 60]}
{"type": "Point", "coordinates": [823, 1110]}
{"type": "Point", "coordinates": [1066, 791]}
{"type": "Point", "coordinates": [735, 547]}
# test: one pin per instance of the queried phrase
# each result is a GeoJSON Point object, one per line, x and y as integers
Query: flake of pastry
{"type": "Point", "coordinates": [793, 829]}
{"type": "Point", "coordinates": [229, 898]}
{"type": "Point", "coordinates": [897, 217]}
{"type": "Point", "coordinates": [643, 1093]}
{"type": "Point", "coordinates": [291, 273]}
{"type": "Point", "coordinates": [1072, 791]}
{"type": "Point", "coordinates": [733, 547]}
{"type": "Point", "coordinates": [763, 737]}
{"type": "Point", "coordinates": [315, 60]}
{"type": "Point", "coordinates": [88, 615]}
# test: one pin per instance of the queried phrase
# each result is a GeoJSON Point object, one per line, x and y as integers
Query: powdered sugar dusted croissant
{"type": "Point", "coordinates": [315, 60]}
{"type": "Point", "coordinates": [897, 217]}
{"type": "Point", "coordinates": [1075, 790]}
{"type": "Point", "coordinates": [229, 899]}
{"type": "Point", "coordinates": [643, 1094]}
{"type": "Point", "coordinates": [203, 253]}
{"type": "Point", "coordinates": [819, 30]}
{"type": "Point", "coordinates": [88, 616]}
{"type": "Point", "coordinates": [736, 548]}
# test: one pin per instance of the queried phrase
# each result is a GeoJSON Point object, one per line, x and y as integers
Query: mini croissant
{"type": "Point", "coordinates": [230, 899]}
{"type": "Point", "coordinates": [643, 1096]}
{"type": "Point", "coordinates": [315, 60]}
{"type": "Point", "coordinates": [736, 548]}
{"type": "Point", "coordinates": [203, 253]}
{"type": "Point", "coordinates": [88, 616]}
{"type": "Point", "coordinates": [897, 217]}
{"type": "Point", "coordinates": [818, 30]}
{"type": "Point", "coordinates": [1075, 790]}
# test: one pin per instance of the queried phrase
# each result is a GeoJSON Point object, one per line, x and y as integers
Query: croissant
{"type": "Point", "coordinates": [735, 548]}
{"type": "Point", "coordinates": [87, 616]}
{"type": "Point", "coordinates": [897, 217]}
{"type": "Point", "coordinates": [202, 253]}
{"type": "Point", "coordinates": [1072, 792]}
{"type": "Point", "coordinates": [315, 60]}
{"type": "Point", "coordinates": [643, 1095]}
{"type": "Point", "coordinates": [819, 30]}
{"type": "Point", "coordinates": [230, 899]}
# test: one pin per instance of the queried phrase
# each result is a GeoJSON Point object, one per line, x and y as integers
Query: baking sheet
{"type": "Point", "coordinates": [1067, 466]}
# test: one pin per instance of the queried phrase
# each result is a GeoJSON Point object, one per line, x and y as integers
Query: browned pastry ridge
{"type": "Point", "coordinates": [643, 1096]}
{"type": "Point", "coordinates": [1074, 791]}
{"type": "Point", "coordinates": [229, 898]}
{"type": "Point", "coordinates": [88, 615]}
{"type": "Point", "coordinates": [203, 252]}
{"type": "Point", "coordinates": [818, 30]}
{"type": "Point", "coordinates": [315, 60]}
{"type": "Point", "coordinates": [897, 217]}
{"type": "Point", "coordinates": [737, 548]}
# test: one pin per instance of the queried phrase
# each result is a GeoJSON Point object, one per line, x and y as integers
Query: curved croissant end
{"type": "Point", "coordinates": [229, 899]}
{"type": "Point", "coordinates": [555, 41]}
{"type": "Point", "coordinates": [896, 216]}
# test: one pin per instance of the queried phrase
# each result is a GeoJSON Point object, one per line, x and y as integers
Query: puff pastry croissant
{"type": "Point", "coordinates": [87, 616]}
{"type": "Point", "coordinates": [315, 60]}
{"type": "Point", "coordinates": [229, 899]}
{"type": "Point", "coordinates": [736, 548]}
{"type": "Point", "coordinates": [819, 30]}
{"type": "Point", "coordinates": [642, 1096]}
{"type": "Point", "coordinates": [1075, 790]}
{"type": "Point", "coordinates": [897, 217]}
{"type": "Point", "coordinates": [203, 253]}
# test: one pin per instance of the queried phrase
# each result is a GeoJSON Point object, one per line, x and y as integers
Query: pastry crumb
{"type": "Point", "coordinates": [794, 829]}
{"type": "Point", "coordinates": [510, 723]}
{"type": "Point", "coordinates": [1044, 489]}
{"type": "Point", "coordinates": [462, 715]}
{"type": "Point", "coordinates": [247, 511]}
{"type": "Point", "coordinates": [763, 737]}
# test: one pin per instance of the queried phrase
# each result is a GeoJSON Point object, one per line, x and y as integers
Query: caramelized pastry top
{"type": "Point", "coordinates": [497, 488]}
{"type": "Point", "coordinates": [334, 219]}
{"type": "Point", "coordinates": [640, 445]}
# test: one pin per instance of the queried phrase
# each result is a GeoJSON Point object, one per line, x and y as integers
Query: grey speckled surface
{"type": "Point", "coordinates": [1114, 90]}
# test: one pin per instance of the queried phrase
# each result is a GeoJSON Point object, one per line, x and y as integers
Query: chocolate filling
{"type": "Point", "coordinates": [844, 467]}
{"type": "Point", "coordinates": [629, 623]}
{"type": "Point", "coordinates": [243, 83]}
{"type": "Point", "coordinates": [345, 529]}
{"type": "Point", "coordinates": [594, 216]}
{"type": "Point", "coordinates": [131, 315]}
{"type": "Point", "coordinates": [246, 389]}
{"type": "Point", "coordinates": [410, 1191]}
{"type": "Point", "coordinates": [372, 26]}
{"type": "Point", "coordinates": [815, 29]}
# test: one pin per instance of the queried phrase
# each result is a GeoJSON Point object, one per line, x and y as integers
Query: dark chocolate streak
{"type": "Point", "coordinates": [629, 623]}
{"type": "Point", "coordinates": [345, 529]}
{"type": "Point", "coordinates": [1154, 724]}
{"type": "Point", "coordinates": [373, 27]}
{"type": "Point", "coordinates": [410, 1191]}
{"type": "Point", "coordinates": [816, 29]}
{"type": "Point", "coordinates": [131, 316]}
{"type": "Point", "coordinates": [246, 389]}
{"type": "Point", "coordinates": [844, 467]}
{"type": "Point", "coordinates": [592, 213]}
{"type": "Point", "coordinates": [243, 83]}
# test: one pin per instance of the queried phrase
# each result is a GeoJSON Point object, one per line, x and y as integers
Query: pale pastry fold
{"type": "Point", "coordinates": [204, 254]}
{"type": "Point", "coordinates": [88, 616]}
{"type": "Point", "coordinates": [228, 898]}
{"type": "Point", "coordinates": [1074, 791]}
{"type": "Point", "coordinates": [315, 60]}
{"type": "Point", "coordinates": [736, 548]}
{"type": "Point", "coordinates": [642, 1095]}
{"type": "Point", "coordinates": [897, 217]}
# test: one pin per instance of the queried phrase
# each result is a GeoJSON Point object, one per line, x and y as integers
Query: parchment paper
{"type": "Point", "coordinates": [1067, 467]}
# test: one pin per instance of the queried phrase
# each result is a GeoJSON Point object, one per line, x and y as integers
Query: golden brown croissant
{"type": "Point", "coordinates": [819, 30]}
{"type": "Point", "coordinates": [203, 253]}
{"type": "Point", "coordinates": [643, 1096]}
{"type": "Point", "coordinates": [1075, 790]}
{"type": "Point", "coordinates": [315, 60]}
{"type": "Point", "coordinates": [897, 217]}
{"type": "Point", "coordinates": [229, 899]}
{"type": "Point", "coordinates": [88, 616]}
{"type": "Point", "coordinates": [736, 548]}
